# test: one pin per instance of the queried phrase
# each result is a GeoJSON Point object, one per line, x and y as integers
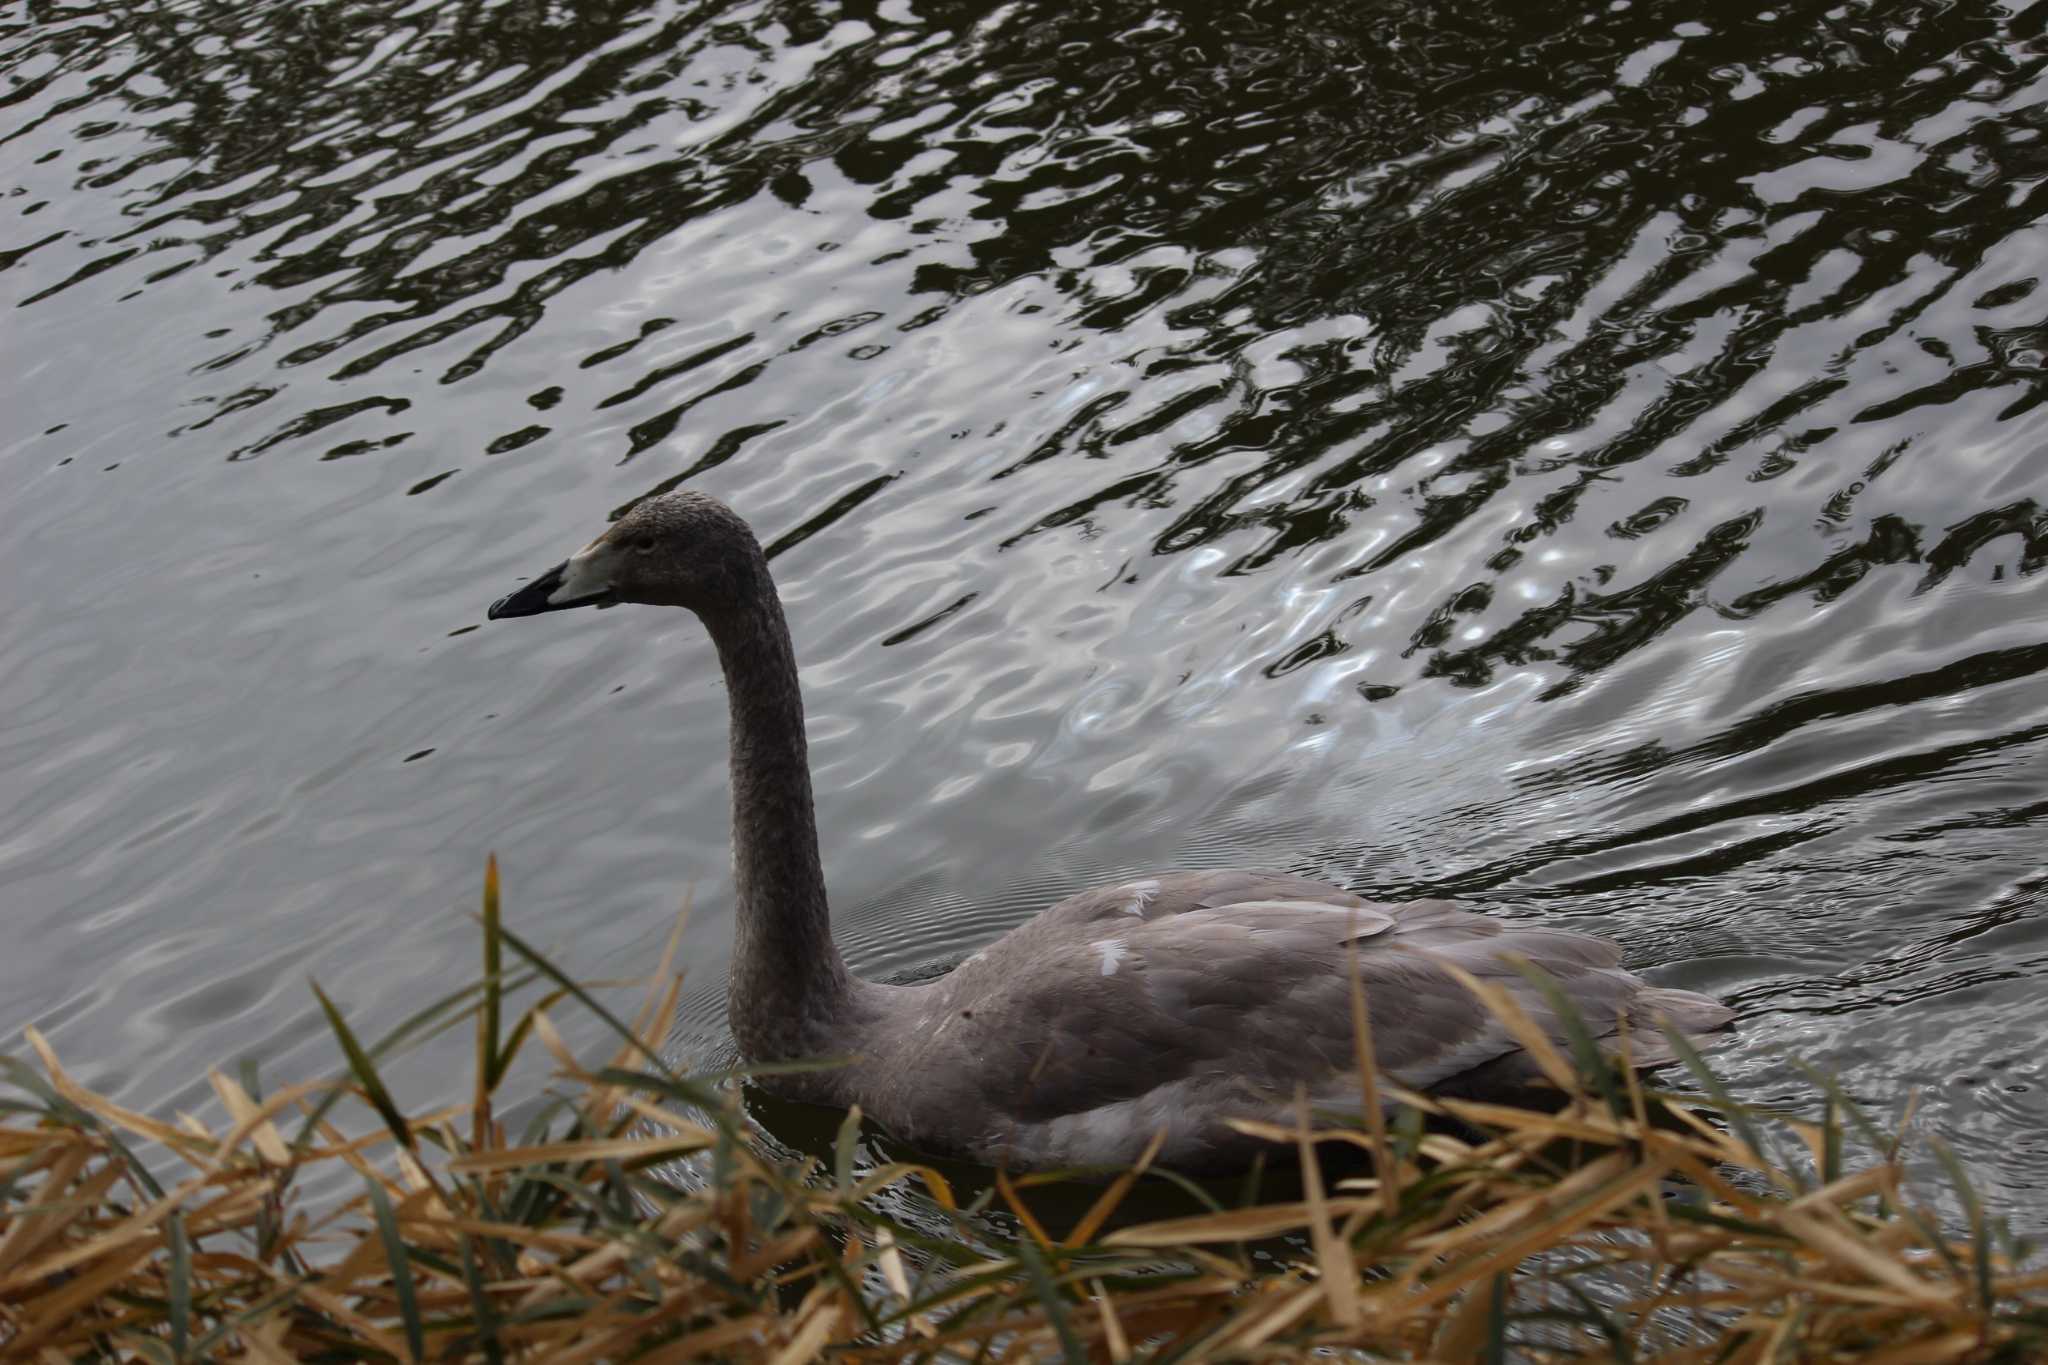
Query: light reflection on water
{"type": "Point", "coordinates": [1583, 463]}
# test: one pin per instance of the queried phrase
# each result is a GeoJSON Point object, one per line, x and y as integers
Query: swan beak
{"type": "Point", "coordinates": [574, 582]}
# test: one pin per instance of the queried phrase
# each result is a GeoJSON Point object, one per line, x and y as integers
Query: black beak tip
{"type": "Point", "coordinates": [530, 600]}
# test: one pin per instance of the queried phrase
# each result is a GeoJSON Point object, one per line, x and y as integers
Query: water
{"type": "Point", "coordinates": [1584, 462]}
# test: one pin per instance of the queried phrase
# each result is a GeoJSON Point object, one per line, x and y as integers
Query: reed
{"type": "Point", "coordinates": [1625, 1226]}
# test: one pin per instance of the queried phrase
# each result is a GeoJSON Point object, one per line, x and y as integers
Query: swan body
{"type": "Point", "coordinates": [1167, 1003]}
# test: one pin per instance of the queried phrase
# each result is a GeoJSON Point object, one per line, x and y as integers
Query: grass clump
{"type": "Point", "coordinates": [1619, 1228]}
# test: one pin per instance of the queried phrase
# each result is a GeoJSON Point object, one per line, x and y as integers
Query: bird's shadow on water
{"type": "Point", "coordinates": [1057, 1201]}
{"type": "Point", "coordinates": [994, 1212]}
{"type": "Point", "coordinates": [1060, 1202]}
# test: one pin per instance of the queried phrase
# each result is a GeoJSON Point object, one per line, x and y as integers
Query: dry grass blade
{"type": "Point", "coordinates": [1339, 1273]}
{"type": "Point", "coordinates": [1022, 1210]}
{"type": "Point", "coordinates": [584, 1149]}
{"type": "Point", "coordinates": [1369, 1103]}
{"type": "Point", "coordinates": [1235, 1225]}
{"type": "Point", "coordinates": [562, 1247]}
{"type": "Point", "coordinates": [491, 1059]}
{"type": "Point", "coordinates": [1519, 1025]}
{"type": "Point", "coordinates": [247, 1114]}
{"type": "Point", "coordinates": [1099, 1213]}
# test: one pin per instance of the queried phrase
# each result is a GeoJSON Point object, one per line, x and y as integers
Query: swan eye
{"type": "Point", "coordinates": [644, 543]}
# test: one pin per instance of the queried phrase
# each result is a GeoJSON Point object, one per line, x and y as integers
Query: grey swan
{"type": "Point", "coordinates": [1172, 1002]}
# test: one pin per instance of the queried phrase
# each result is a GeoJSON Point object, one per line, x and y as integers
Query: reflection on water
{"type": "Point", "coordinates": [1583, 461]}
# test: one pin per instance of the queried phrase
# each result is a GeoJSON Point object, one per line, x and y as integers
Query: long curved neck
{"type": "Point", "coordinates": [788, 983]}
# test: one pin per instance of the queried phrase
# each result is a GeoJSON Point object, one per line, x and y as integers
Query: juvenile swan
{"type": "Point", "coordinates": [1170, 1002]}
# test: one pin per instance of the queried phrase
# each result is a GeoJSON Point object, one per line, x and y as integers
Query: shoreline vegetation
{"type": "Point", "coordinates": [1625, 1226]}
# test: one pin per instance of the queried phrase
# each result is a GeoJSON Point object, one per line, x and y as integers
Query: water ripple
{"type": "Point", "coordinates": [1588, 463]}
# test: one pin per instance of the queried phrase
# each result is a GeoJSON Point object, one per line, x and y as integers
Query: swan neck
{"type": "Point", "coordinates": [788, 983]}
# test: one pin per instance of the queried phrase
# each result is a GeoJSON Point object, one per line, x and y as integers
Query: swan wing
{"type": "Point", "coordinates": [1115, 1025]}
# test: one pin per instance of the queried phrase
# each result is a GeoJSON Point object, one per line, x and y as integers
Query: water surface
{"type": "Point", "coordinates": [1585, 462]}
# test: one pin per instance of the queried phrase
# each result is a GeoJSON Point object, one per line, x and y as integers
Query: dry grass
{"type": "Point", "coordinates": [1592, 1233]}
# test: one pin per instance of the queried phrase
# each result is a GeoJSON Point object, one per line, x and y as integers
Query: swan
{"type": "Point", "coordinates": [1163, 1004]}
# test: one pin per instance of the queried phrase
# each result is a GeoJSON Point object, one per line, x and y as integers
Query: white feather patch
{"type": "Point", "coordinates": [587, 574]}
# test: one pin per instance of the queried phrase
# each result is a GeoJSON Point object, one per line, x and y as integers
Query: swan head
{"type": "Point", "coordinates": [680, 549]}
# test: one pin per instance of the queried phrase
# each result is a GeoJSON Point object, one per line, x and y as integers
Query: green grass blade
{"type": "Point", "coordinates": [1188, 1187]}
{"type": "Point", "coordinates": [1591, 1311]}
{"type": "Point", "coordinates": [385, 1045]}
{"type": "Point", "coordinates": [689, 1092]}
{"type": "Point", "coordinates": [583, 997]}
{"type": "Point", "coordinates": [1980, 1244]}
{"type": "Point", "coordinates": [1049, 1299]}
{"type": "Point", "coordinates": [230, 1324]}
{"type": "Point", "coordinates": [180, 1286]}
{"type": "Point", "coordinates": [1730, 1108]}
{"type": "Point", "coordinates": [1865, 1126]}
{"type": "Point", "coordinates": [480, 1306]}
{"type": "Point", "coordinates": [1831, 1142]}
{"type": "Point", "coordinates": [401, 1271]}
{"type": "Point", "coordinates": [365, 1070]}
{"type": "Point", "coordinates": [1254, 1177]}
{"type": "Point", "coordinates": [1593, 1064]}
{"type": "Point", "coordinates": [425, 1023]}
{"type": "Point", "coordinates": [1497, 1322]}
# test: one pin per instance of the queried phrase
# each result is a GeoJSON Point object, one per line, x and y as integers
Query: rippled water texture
{"type": "Point", "coordinates": [1580, 458]}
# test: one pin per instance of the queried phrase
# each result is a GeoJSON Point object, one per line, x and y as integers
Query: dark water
{"type": "Point", "coordinates": [1584, 458]}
